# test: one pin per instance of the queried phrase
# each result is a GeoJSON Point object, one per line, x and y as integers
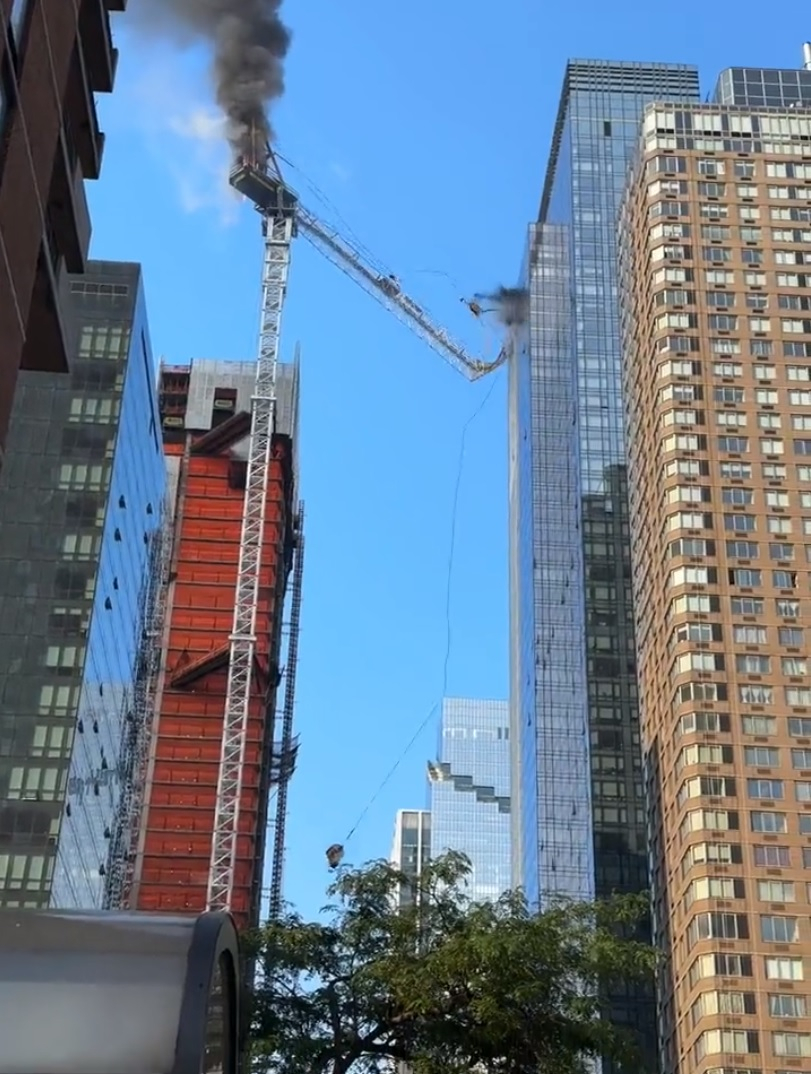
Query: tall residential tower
{"type": "Point", "coordinates": [577, 789]}
{"type": "Point", "coordinates": [716, 298]}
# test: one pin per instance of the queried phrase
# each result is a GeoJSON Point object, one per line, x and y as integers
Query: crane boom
{"type": "Point", "coordinates": [387, 291]}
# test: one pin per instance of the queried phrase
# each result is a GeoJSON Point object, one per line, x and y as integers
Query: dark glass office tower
{"type": "Point", "coordinates": [579, 815]}
{"type": "Point", "coordinates": [81, 497]}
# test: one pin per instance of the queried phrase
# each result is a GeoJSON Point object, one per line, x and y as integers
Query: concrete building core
{"type": "Point", "coordinates": [54, 57]}
{"type": "Point", "coordinates": [715, 248]}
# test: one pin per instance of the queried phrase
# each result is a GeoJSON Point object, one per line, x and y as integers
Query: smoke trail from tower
{"type": "Point", "coordinates": [249, 41]}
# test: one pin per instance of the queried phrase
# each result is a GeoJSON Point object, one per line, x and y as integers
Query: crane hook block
{"type": "Point", "coordinates": [335, 855]}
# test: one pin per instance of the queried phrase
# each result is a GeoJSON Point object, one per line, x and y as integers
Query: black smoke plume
{"type": "Point", "coordinates": [249, 41]}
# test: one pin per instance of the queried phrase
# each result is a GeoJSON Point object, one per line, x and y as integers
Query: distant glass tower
{"type": "Point", "coordinates": [470, 792]}
{"type": "Point", "coordinates": [411, 848]}
{"type": "Point", "coordinates": [579, 815]}
{"type": "Point", "coordinates": [81, 494]}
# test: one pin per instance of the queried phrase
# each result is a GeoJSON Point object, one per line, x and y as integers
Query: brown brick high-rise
{"type": "Point", "coordinates": [54, 55]}
{"type": "Point", "coordinates": [715, 240]}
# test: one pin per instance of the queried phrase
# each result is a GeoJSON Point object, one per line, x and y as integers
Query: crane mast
{"type": "Point", "coordinates": [282, 218]}
{"type": "Point", "coordinates": [279, 228]}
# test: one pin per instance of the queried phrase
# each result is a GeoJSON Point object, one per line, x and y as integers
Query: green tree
{"type": "Point", "coordinates": [444, 985]}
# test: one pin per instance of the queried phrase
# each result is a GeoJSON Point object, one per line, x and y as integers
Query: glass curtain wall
{"type": "Point", "coordinates": [580, 827]}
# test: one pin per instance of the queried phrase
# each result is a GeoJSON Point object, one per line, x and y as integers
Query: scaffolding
{"type": "Point", "coordinates": [137, 736]}
{"type": "Point", "coordinates": [284, 757]}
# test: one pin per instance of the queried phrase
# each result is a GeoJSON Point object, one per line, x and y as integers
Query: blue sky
{"type": "Point", "coordinates": [426, 126]}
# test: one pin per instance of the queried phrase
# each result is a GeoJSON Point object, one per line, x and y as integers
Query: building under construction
{"type": "Point", "coordinates": [205, 411]}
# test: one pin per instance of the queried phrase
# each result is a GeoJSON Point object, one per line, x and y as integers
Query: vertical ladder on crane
{"type": "Point", "coordinates": [279, 229]}
{"type": "Point", "coordinates": [286, 757]}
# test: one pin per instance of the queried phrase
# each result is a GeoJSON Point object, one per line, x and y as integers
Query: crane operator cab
{"type": "Point", "coordinates": [118, 993]}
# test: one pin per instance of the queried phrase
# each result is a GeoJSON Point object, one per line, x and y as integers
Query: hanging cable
{"type": "Point", "coordinates": [449, 578]}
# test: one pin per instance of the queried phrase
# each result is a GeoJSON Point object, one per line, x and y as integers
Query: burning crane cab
{"type": "Point", "coordinates": [263, 186]}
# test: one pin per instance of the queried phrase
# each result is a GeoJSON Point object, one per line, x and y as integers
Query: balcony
{"type": "Point", "coordinates": [48, 344]}
{"type": "Point", "coordinates": [82, 121]}
{"type": "Point", "coordinates": [96, 42]}
{"type": "Point", "coordinates": [68, 213]}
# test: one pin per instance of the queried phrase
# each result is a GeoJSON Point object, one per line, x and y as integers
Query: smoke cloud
{"type": "Point", "coordinates": [249, 41]}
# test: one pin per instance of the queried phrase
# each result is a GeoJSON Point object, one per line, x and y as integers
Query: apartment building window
{"type": "Point", "coordinates": [771, 446]}
{"type": "Point", "coordinates": [792, 1044]}
{"type": "Point", "coordinates": [784, 969]}
{"type": "Point", "coordinates": [735, 1041]}
{"type": "Point", "coordinates": [769, 421]}
{"type": "Point", "coordinates": [722, 345]}
{"type": "Point", "coordinates": [712, 1003]}
{"type": "Point", "coordinates": [773, 857]}
{"type": "Point", "coordinates": [742, 549]}
{"type": "Point", "coordinates": [764, 789]}
{"type": "Point", "coordinates": [799, 697]}
{"type": "Point", "coordinates": [762, 756]}
{"type": "Point", "coordinates": [750, 635]}
{"type": "Point", "coordinates": [799, 726]}
{"type": "Point", "coordinates": [762, 348]}
{"type": "Point", "coordinates": [705, 722]}
{"type": "Point", "coordinates": [712, 853]}
{"type": "Point", "coordinates": [713, 926]}
{"type": "Point", "coordinates": [788, 608]}
{"type": "Point", "coordinates": [766, 396]}
{"type": "Point", "coordinates": [734, 445]}
{"type": "Point", "coordinates": [764, 726]}
{"type": "Point", "coordinates": [776, 890]}
{"type": "Point", "coordinates": [713, 820]}
{"type": "Point", "coordinates": [792, 636]}
{"type": "Point", "coordinates": [715, 887]}
{"type": "Point", "coordinates": [795, 666]}
{"type": "Point", "coordinates": [782, 1005]}
{"type": "Point", "coordinates": [778, 524]}
{"type": "Point", "coordinates": [739, 470]}
{"type": "Point", "coordinates": [769, 822]}
{"type": "Point", "coordinates": [801, 758]}
{"type": "Point", "coordinates": [727, 369]}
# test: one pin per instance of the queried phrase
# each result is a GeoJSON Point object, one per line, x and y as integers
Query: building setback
{"type": "Point", "coordinates": [577, 788]}
{"type": "Point", "coordinates": [81, 494]}
{"type": "Point", "coordinates": [470, 792]}
{"type": "Point", "coordinates": [53, 58]}
{"type": "Point", "coordinates": [716, 297]}
{"type": "Point", "coordinates": [205, 416]}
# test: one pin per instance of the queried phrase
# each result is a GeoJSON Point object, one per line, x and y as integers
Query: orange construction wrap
{"type": "Point", "coordinates": [171, 873]}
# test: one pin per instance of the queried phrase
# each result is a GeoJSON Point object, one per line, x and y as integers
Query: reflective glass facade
{"type": "Point", "coordinates": [81, 495]}
{"type": "Point", "coordinates": [758, 87]}
{"type": "Point", "coordinates": [411, 847]}
{"type": "Point", "coordinates": [580, 826]}
{"type": "Point", "coordinates": [470, 792]}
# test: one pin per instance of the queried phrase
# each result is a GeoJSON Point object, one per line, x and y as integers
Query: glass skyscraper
{"type": "Point", "coordinates": [470, 792]}
{"type": "Point", "coordinates": [411, 848]}
{"type": "Point", "coordinates": [81, 498]}
{"type": "Point", "coordinates": [579, 817]}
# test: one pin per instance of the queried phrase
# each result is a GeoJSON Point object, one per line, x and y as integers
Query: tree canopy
{"type": "Point", "coordinates": [442, 984]}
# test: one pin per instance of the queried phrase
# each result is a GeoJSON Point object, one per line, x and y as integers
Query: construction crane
{"type": "Point", "coordinates": [283, 217]}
